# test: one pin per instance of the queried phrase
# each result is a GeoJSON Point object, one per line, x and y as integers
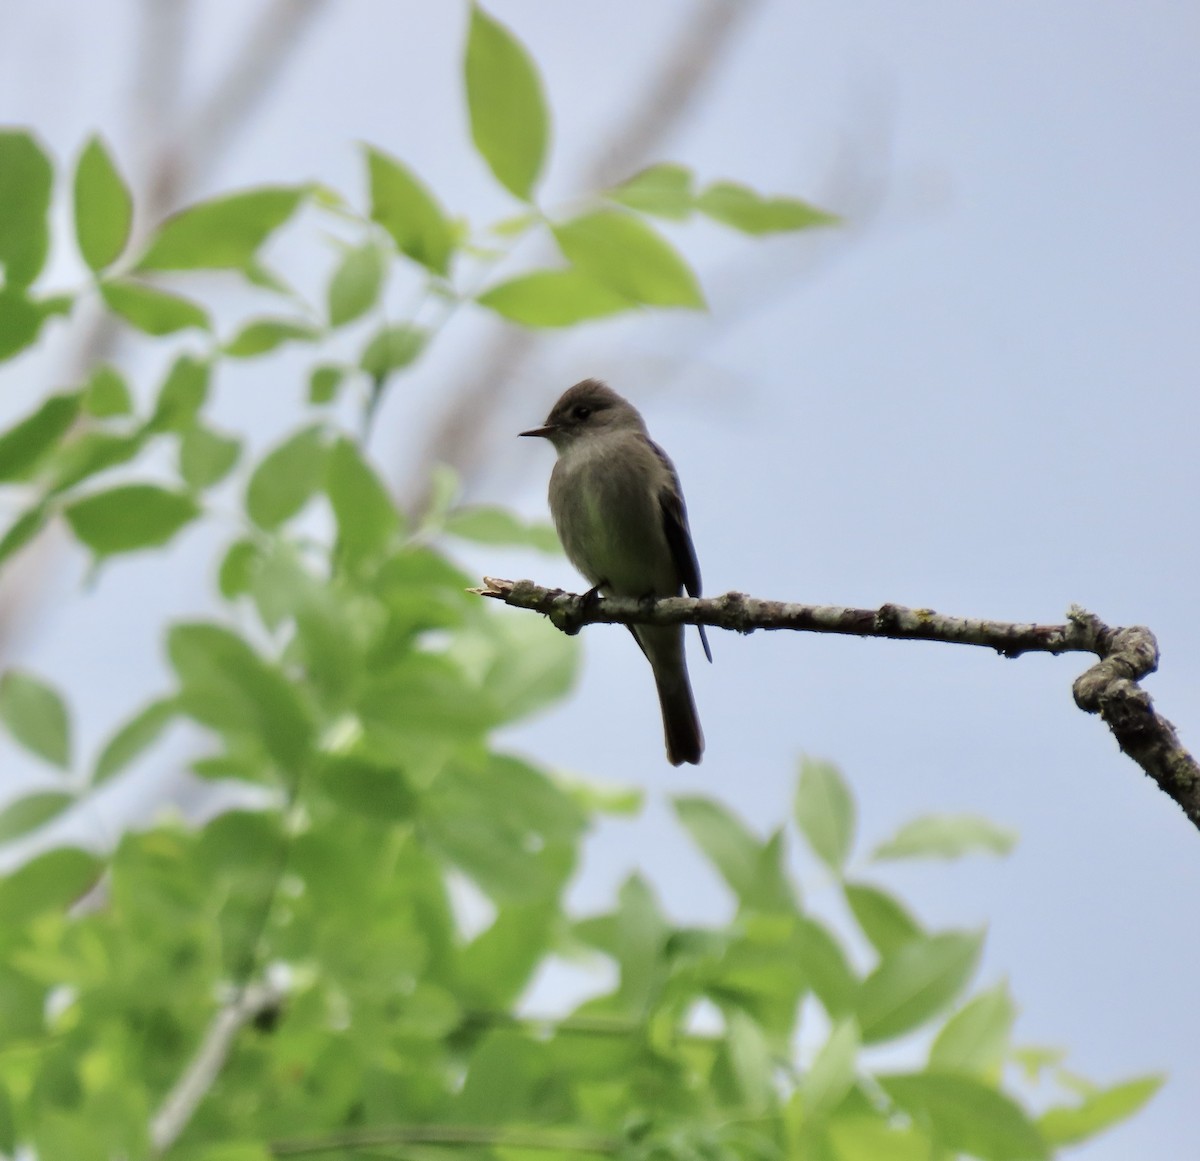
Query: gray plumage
{"type": "Point", "coordinates": [620, 515]}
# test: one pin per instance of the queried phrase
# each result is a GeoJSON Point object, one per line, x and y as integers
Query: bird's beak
{"type": "Point", "coordinates": [545, 432]}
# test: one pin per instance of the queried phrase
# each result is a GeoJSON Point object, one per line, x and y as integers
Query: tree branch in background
{"type": "Point", "coordinates": [1109, 688]}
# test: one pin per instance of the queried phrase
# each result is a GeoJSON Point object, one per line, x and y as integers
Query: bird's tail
{"type": "Point", "coordinates": [681, 724]}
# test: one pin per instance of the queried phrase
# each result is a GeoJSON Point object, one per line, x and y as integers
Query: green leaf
{"type": "Point", "coordinates": [36, 716]}
{"type": "Point", "coordinates": [883, 918]}
{"type": "Point", "coordinates": [264, 335]}
{"type": "Point", "coordinates": [106, 394]}
{"type": "Point", "coordinates": [860, 1138]}
{"type": "Point", "coordinates": [133, 738]}
{"type": "Point", "coordinates": [206, 457]}
{"type": "Point", "coordinates": [743, 209]}
{"type": "Point", "coordinates": [832, 1073]}
{"type": "Point", "coordinates": [323, 384]}
{"type": "Point", "coordinates": [391, 349]}
{"type": "Point", "coordinates": [946, 836]}
{"type": "Point", "coordinates": [25, 446]}
{"type": "Point", "coordinates": [24, 815]}
{"type": "Point", "coordinates": [509, 121]}
{"type": "Point", "coordinates": [366, 517]}
{"type": "Point", "coordinates": [356, 284]}
{"type": "Point", "coordinates": [553, 298]}
{"type": "Point", "coordinates": [730, 847]}
{"type": "Point", "coordinates": [624, 254]}
{"type": "Point", "coordinates": [152, 310]}
{"type": "Point", "coordinates": [182, 394]}
{"type": "Point", "coordinates": [26, 179]}
{"type": "Point", "coordinates": [226, 686]}
{"type": "Point", "coordinates": [91, 453]}
{"type": "Point", "coordinates": [20, 320]}
{"type": "Point", "coordinates": [238, 568]}
{"type": "Point", "coordinates": [404, 207]}
{"type": "Point", "coordinates": [1068, 1125]}
{"type": "Point", "coordinates": [376, 792]}
{"type": "Point", "coordinates": [976, 1038]}
{"type": "Point", "coordinates": [48, 882]}
{"type": "Point", "coordinates": [286, 478]}
{"type": "Point", "coordinates": [103, 207]}
{"type": "Point", "coordinates": [967, 1116]}
{"type": "Point", "coordinates": [915, 983]}
{"type": "Point", "coordinates": [130, 517]}
{"type": "Point", "coordinates": [23, 529]}
{"type": "Point", "coordinates": [485, 524]}
{"type": "Point", "coordinates": [751, 1062]}
{"type": "Point", "coordinates": [826, 969]}
{"type": "Point", "coordinates": [222, 234]}
{"type": "Point", "coordinates": [825, 812]}
{"type": "Point", "coordinates": [664, 190]}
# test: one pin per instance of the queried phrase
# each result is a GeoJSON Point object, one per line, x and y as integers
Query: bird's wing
{"type": "Point", "coordinates": [679, 535]}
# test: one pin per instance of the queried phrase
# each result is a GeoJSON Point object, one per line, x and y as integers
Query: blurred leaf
{"type": "Point", "coordinates": [976, 1038]}
{"type": "Point", "coordinates": [967, 1116]}
{"type": "Point", "coordinates": [129, 517]}
{"type": "Point", "coordinates": [323, 384]}
{"type": "Point", "coordinates": [47, 882]}
{"type": "Point", "coordinates": [664, 190]}
{"type": "Point", "coordinates": [264, 335]}
{"type": "Point", "coordinates": [152, 310]}
{"type": "Point", "coordinates": [106, 394]}
{"type": "Point", "coordinates": [825, 812]}
{"type": "Point", "coordinates": [624, 254]}
{"type": "Point", "coordinates": [743, 209]}
{"type": "Point", "coordinates": [23, 529]}
{"type": "Point", "coordinates": [509, 121]}
{"type": "Point", "coordinates": [226, 685]}
{"type": "Point", "coordinates": [366, 516]}
{"type": "Point", "coordinates": [356, 284]}
{"type": "Point", "coordinates": [20, 319]}
{"type": "Point", "coordinates": [286, 478]}
{"type": "Point", "coordinates": [25, 446]}
{"type": "Point", "coordinates": [1068, 1125]}
{"type": "Point", "coordinates": [553, 298]}
{"type": "Point", "coordinates": [862, 1138]}
{"type": "Point", "coordinates": [751, 1062]}
{"type": "Point", "coordinates": [826, 969]}
{"type": "Point", "coordinates": [237, 568]}
{"type": "Point", "coordinates": [392, 348]}
{"type": "Point", "coordinates": [530, 666]}
{"type": "Point", "coordinates": [221, 234]}
{"type": "Point", "coordinates": [833, 1071]}
{"type": "Point", "coordinates": [91, 453]}
{"type": "Point", "coordinates": [182, 394]}
{"type": "Point", "coordinates": [103, 207]}
{"type": "Point", "coordinates": [8, 1128]}
{"type": "Point", "coordinates": [26, 180]}
{"type": "Point", "coordinates": [36, 716]}
{"type": "Point", "coordinates": [206, 457]}
{"type": "Point", "coordinates": [493, 525]}
{"type": "Point", "coordinates": [883, 918]}
{"type": "Point", "coordinates": [133, 738]}
{"type": "Point", "coordinates": [946, 836]}
{"type": "Point", "coordinates": [27, 814]}
{"type": "Point", "coordinates": [497, 965]}
{"type": "Point", "coordinates": [1036, 1059]}
{"type": "Point", "coordinates": [376, 792]}
{"type": "Point", "coordinates": [915, 983]}
{"type": "Point", "coordinates": [404, 207]}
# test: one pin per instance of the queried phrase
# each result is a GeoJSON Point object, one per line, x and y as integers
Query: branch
{"type": "Point", "coordinates": [1109, 688]}
{"type": "Point", "coordinates": [182, 1101]}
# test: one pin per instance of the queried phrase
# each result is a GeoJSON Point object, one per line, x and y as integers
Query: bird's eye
{"type": "Point", "coordinates": [582, 412]}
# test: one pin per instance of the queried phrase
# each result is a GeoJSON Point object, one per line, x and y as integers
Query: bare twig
{"type": "Point", "coordinates": [181, 1102]}
{"type": "Point", "coordinates": [1109, 688]}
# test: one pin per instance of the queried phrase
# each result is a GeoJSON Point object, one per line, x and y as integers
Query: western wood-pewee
{"type": "Point", "coordinates": [619, 511]}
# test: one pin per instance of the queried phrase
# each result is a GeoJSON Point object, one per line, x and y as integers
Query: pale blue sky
{"type": "Point", "coordinates": [980, 398]}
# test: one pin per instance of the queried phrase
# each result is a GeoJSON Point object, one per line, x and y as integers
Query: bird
{"type": "Point", "coordinates": [620, 516]}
